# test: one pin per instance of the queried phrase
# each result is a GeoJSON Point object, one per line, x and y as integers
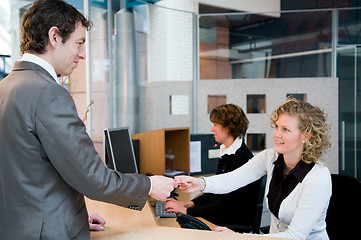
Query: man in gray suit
{"type": "Point", "coordinates": [47, 160]}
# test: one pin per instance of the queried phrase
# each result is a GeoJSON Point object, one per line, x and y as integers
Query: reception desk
{"type": "Point", "coordinates": [126, 224]}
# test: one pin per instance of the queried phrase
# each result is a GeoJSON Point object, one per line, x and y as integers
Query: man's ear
{"type": "Point", "coordinates": [53, 36]}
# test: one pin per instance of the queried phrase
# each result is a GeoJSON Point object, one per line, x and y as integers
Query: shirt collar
{"type": "Point", "coordinates": [231, 149]}
{"type": "Point", "coordinates": [299, 171]}
{"type": "Point", "coordinates": [41, 62]}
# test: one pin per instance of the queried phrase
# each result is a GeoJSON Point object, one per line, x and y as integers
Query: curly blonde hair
{"type": "Point", "coordinates": [311, 120]}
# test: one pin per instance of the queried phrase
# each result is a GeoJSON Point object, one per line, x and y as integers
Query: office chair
{"type": "Point", "coordinates": [344, 208]}
{"type": "Point", "coordinates": [255, 224]}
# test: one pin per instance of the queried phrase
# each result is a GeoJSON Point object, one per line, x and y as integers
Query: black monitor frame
{"type": "Point", "coordinates": [119, 151]}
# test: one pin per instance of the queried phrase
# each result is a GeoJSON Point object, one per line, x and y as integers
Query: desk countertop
{"type": "Point", "coordinates": [126, 224]}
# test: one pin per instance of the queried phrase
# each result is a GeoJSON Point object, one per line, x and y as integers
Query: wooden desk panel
{"type": "Point", "coordinates": [153, 146]}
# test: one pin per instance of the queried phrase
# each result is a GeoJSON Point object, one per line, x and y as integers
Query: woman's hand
{"type": "Point", "coordinates": [172, 205]}
{"type": "Point", "coordinates": [190, 184]}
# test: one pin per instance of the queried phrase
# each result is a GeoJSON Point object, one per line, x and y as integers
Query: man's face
{"type": "Point", "coordinates": [68, 54]}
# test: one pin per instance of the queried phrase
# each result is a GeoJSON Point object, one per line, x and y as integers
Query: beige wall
{"type": "Point", "coordinates": [155, 105]}
{"type": "Point", "coordinates": [322, 92]}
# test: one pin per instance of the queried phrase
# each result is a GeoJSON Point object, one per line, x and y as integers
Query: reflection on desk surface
{"type": "Point", "coordinates": [167, 233]}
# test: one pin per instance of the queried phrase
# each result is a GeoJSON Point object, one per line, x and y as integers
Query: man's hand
{"type": "Point", "coordinates": [96, 222]}
{"type": "Point", "coordinates": [162, 187]}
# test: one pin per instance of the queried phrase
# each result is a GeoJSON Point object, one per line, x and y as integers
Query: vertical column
{"type": "Point", "coordinates": [334, 42]}
{"type": "Point", "coordinates": [126, 91]}
{"type": "Point", "coordinates": [195, 71]}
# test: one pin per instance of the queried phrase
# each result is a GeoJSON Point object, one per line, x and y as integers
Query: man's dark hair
{"type": "Point", "coordinates": [43, 15]}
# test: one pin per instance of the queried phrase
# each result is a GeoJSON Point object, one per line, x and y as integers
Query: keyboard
{"type": "Point", "coordinates": [159, 211]}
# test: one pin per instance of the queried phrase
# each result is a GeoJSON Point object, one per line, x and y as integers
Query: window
{"type": "Point", "coordinates": [298, 96]}
{"type": "Point", "coordinates": [256, 103]}
{"type": "Point", "coordinates": [5, 66]}
{"type": "Point", "coordinates": [215, 101]}
{"type": "Point", "coordinates": [179, 105]}
{"type": "Point", "coordinates": [256, 141]}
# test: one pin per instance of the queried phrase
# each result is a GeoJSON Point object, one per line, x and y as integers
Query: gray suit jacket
{"type": "Point", "coordinates": [48, 162]}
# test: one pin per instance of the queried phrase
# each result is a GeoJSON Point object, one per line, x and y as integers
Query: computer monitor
{"type": "Point", "coordinates": [119, 152]}
{"type": "Point", "coordinates": [209, 148]}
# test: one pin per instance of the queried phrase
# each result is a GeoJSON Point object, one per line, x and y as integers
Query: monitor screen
{"type": "Point", "coordinates": [119, 152]}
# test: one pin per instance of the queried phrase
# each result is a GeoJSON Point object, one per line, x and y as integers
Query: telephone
{"type": "Point", "coordinates": [187, 221]}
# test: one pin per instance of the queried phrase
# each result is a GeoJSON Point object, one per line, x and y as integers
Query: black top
{"type": "Point", "coordinates": [280, 187]}
{"type": "Point", "coordinates": [237, 207]}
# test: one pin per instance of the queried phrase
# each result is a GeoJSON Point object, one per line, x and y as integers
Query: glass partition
{"type": "Point", "coordinates": [349, 26]}
{"type": "Point", "coordinates": [349, 72]}
{"type": "Point", "coordinates": [99, 68]}
{"type": "Point", "coordinates": [296, 44]}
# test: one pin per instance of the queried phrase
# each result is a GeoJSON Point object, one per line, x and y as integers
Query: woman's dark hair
{"type": "Point", "coordinates": [43, 15]}
{"type": "Point", "coordinates": [231, 117]}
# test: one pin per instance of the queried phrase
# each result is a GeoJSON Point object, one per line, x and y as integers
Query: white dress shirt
{"type": "Point", "coordinates": [231, 149]}
{"type": "Point", "coordinates": [41, 62]}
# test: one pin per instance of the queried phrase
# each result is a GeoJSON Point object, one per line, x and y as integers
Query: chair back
{"type": "Point", "coordinates": [344, 209]}
{"type": "Point", "coordinates": [259, 211]}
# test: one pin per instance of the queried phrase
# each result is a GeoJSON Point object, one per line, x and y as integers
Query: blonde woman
{"type": "Point", "coordinates": [298, 187]}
